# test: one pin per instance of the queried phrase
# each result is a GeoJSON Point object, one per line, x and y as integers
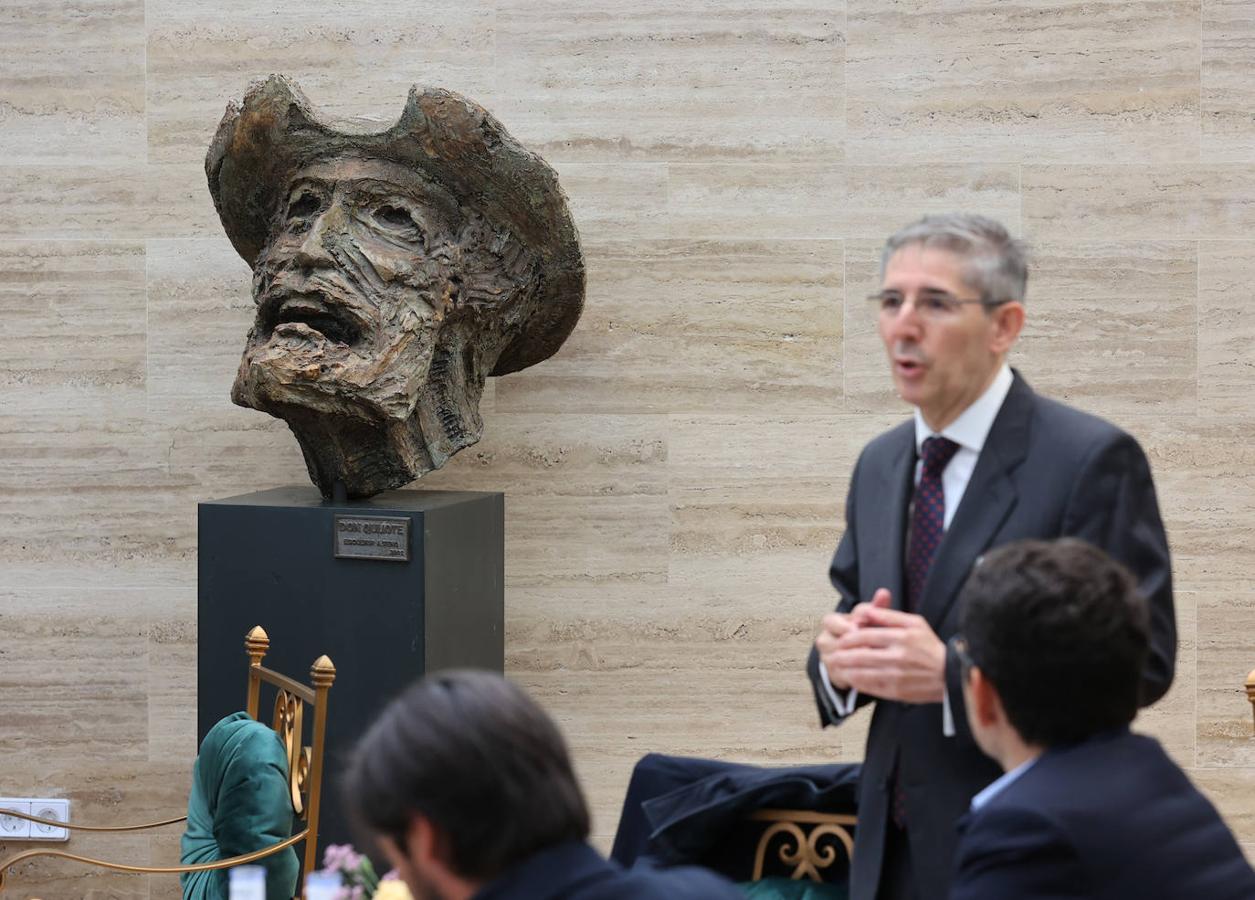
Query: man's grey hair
{"type": "Point", "coordinates": [994, 263]}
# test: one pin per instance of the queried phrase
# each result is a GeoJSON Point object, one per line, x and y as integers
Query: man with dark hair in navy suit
{"type": "Point", "coordinates": [1054, 640]}
{"type": "Point", "coordinates": [465, 784]}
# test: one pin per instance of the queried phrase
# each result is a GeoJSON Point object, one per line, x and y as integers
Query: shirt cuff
{"type": "Point", "coordinates": [947, 717]}
{"type": "Point", "coordinates": [843, 706]}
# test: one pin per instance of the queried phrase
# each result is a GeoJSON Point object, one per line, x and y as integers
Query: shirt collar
{"type": "Point", "coordinates": [972, 426]}
{"type": "Point", "coordinates": [1005, 781]}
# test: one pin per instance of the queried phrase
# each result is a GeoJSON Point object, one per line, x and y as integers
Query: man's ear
{"type": "Point", "coordinates": [423, 843]}
{"type": "Point", "coordinates": [983, 699]}
{"type": "Point", "coordinates": [1008, 322]}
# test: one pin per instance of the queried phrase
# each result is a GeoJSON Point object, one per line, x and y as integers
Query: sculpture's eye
{"type": "Point", "coordinates": [306, 204]}
{"type": "Point", "coordinates": [393, 216]}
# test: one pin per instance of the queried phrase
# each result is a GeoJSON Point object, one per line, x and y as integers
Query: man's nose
{"type": "Point", "coordinates": [315, 249]}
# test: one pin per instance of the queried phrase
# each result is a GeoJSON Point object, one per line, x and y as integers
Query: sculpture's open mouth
{"type": "Point", "coordinates": [309, 315]}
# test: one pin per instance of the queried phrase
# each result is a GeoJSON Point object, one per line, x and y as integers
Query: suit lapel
{"type": "Point", "coordinates": [898, 478]}
{"type": "Point", "coordinates": [988, 500]}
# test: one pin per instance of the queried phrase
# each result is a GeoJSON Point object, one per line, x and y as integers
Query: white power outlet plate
{"type": "Point", "coordinates": [15, 829]}
{"type": "Point", "coordinates": [11, 827]}
{"type": "Point", "coordinates": [57, 809]}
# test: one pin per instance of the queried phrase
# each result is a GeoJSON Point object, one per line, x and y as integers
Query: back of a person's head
{"type": "Point", "coordinates": [1059, 629]}
{"type": "Point", "coordinates": [478, 758]}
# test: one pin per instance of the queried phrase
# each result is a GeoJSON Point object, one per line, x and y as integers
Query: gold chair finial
{"type": "Point", "coordinates": [257, 637]}
{"type": "Point", "coordinates": [256, 645]}
{"type": "Point", "coordinates": [323, 672]}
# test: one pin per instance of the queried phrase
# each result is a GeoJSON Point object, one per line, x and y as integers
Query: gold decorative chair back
{"type": "Point", "coordinates": [305, 768]}
{"type": "Point", "coordinates": [305, 761]}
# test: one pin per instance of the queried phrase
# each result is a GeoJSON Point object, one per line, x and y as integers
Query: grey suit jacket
{"type": "Point", "coordinates": [1046, 471]}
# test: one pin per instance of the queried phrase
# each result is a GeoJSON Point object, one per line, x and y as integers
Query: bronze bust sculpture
{"type": "Point", "coordinates": [393, 272]}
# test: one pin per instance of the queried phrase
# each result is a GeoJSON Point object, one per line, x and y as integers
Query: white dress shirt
{"type": "Point", "coordinates": [969, 431]}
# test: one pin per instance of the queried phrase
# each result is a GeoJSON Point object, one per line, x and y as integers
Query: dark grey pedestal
{"type": "Point", "coordinates": [267, 559]}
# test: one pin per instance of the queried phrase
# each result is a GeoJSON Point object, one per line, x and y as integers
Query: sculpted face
{"type": "Point", "coordinates": [379, 309]}
{"type": "Point", "coordinates": [351, 289]}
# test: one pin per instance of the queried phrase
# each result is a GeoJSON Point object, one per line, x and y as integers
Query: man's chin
{"type": "Point", "coordinates": [907, 391]}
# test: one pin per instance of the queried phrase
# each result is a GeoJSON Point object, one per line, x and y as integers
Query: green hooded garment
{"type": "Point", "coordinates": [240, 802]}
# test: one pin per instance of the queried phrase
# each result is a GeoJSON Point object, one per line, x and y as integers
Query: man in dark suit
{"type": "Point", "coordinates": [984, 461]}
{"type": "Point", "coordinates": [1055, 638]}
{"type": "Point", "coordinates": [465, 785]}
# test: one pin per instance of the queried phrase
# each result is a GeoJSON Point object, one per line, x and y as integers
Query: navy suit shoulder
{"type": "Point", "coordinates": [681, 883]}
{"type": "Point", "coordinates": [1073, 439]}
{"type": "Point", "coordinates": [1108, 818]}
{"type": "Point", "coordinates": [575, 871]}
{"type": "Point", "coordinates": [1080, 423]}
{"type": "Point", "coordinates": [1014, 851]}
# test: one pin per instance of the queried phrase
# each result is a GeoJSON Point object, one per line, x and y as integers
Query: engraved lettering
{"type": "Point", "coordinates": [372, 537]}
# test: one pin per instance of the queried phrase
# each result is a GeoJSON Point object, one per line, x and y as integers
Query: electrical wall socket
{"type": "Point", "coordinates": [15, 829]}
{"type": "Point", "coordinates": [57, 809]}
{"type": "Point", "coordinates": [11, 827]}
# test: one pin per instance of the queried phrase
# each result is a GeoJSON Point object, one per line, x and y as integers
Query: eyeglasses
{"type": "Point", "coordinates": [930, 304]}
{"type": "Point", "coordinates": [960, 650]}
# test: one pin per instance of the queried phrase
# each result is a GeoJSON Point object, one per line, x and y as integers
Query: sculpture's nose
{"type": "Point", "coordinates": [315, 250]}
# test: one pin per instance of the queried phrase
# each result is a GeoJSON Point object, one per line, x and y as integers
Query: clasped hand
{"type": "Point", "coordinates": [883, 652]}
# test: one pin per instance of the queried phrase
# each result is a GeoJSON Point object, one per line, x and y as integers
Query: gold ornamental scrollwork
{"type": "Point", "coordinates": [289, 722]}
{"type": "Point", "coordinates": [791, 854]}
{"type": "Point", "coordinates": [800, 846]}
{"type": "Point", "coordinates": [299, 779]}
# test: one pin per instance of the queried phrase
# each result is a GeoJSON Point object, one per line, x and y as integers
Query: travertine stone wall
{"type": "Point", "coordinates": [674, 475]}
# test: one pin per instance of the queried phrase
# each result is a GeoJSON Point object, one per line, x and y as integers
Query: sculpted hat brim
{"type": "Point", "coordinates": [261, 143]}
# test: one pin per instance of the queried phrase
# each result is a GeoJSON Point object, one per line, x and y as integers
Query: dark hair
{"type": "Point", "coordinates": [478, 758]}
{"type": "Point", "coordinates": [1060, 630]}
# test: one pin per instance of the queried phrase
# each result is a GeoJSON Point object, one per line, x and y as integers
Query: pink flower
{"type": "Point", "coordinates": [341, 858]}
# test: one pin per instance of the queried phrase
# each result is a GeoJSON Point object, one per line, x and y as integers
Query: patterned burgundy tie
{"type": "Point", "coordinates": [928, 519]}
{"type": "Point", "coordinates": [928, 524]}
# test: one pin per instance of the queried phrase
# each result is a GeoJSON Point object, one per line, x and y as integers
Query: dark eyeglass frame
{"type": "Point", "coordinates": [929, 302]}
{"type": "Point", "coordinates": [959, 643]}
